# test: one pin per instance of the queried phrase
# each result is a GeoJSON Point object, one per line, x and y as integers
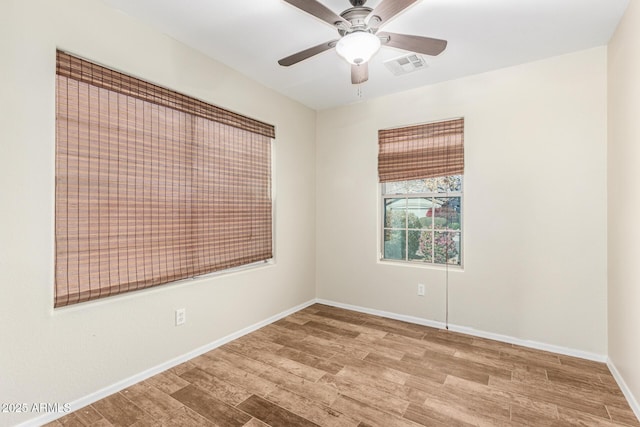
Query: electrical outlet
{"type": "Point", "coordinates": [420, 289]}
{"type": "Point", "coordinates": [181, 316]}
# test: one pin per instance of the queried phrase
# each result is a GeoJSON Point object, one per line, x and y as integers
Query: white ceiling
{"type": "Point", "coordinates": [251, 35]}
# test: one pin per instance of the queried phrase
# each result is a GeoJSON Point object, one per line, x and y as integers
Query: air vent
{"type": "Point", "coordinates": [406, 64]}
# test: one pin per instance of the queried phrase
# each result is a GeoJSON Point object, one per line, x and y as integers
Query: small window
{"type": "Point", "coordinates": [421, 171]}
{"type": "Point", "coordinates": [422, 220]}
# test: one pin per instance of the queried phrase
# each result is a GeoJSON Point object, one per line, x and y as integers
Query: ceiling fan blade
{"type": "Point", "coordinates": [307, 53]}
{"type": "Point", "coordinates": [359, 73]}
{"type": "Point", "coordinates": [418, 44]}
{"type": "Point", "coordinates": [386, 10]}
{"type": "Point", "coordinates": [313, 7]}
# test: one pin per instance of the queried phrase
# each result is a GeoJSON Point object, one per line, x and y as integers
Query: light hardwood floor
{"type": "Point", "coordinates": [332, 367]}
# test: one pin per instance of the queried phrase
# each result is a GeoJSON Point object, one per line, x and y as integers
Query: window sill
{"type": "Point", "coordinates": [162, 288]}
{"type": "Point", "coordinates": [418, 264]}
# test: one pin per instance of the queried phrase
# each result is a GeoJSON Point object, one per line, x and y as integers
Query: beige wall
{"type": "Point", "coordinates": [535, 207]}
{"type": "Point", "coordinates": [534, 204]}
{"type": "Point", "coordinates": [624, 199]}
{"type": "Point", "coordinates": [60, 356]}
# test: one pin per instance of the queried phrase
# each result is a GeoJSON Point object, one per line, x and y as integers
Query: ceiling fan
{"type": "Point", "coordinates": [358, 27]}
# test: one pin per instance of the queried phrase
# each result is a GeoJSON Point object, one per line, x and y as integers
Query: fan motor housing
{"type": "Point", "coordinates": [356, 16]}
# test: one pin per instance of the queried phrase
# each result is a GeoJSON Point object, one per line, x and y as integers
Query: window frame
{"type": "Point", "coordinates": [407, 196]}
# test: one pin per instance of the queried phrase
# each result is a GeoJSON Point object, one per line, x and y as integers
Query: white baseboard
{"type": "Point", "coordinates": [127, 382]}
{"type": "Point", "coordinates": [470, 331]}
{"type": "Point", "coordinates": [387, 314]}
{"type": "Point", "coordinates": [633, 402]}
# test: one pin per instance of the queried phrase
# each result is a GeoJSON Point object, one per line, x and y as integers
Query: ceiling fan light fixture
{"type": "Point", "coordinates": [358, 47]}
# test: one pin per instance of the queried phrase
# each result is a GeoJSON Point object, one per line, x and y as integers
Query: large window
{"type": "Point", "coordinates": [152, 186]}
{"type": "Point", "coordinates": [421, 174]}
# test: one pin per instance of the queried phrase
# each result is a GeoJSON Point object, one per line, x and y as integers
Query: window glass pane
{"type": "Point", "coordinates": [448, 184]}
{"type": "Point", "coordinates": [425, 246]}
{"type": "Point", "coordinates": [399, 187]}
{"type": "Point", "coordinates": [394, 244]}
{"type": "Point", "coordinates": [414, 245]}
{"type": "Point", "coordinates": [455, 253]}
{"type": "Point", "coordinates": [447, 247]}
{"type": "Point", "coordinates": [395, 213]}
{"type": "Point", "coordinates": [417, 208]}
{"type": "Point", "coordinates": [418, 186]}
{"type": "Point", "coordinates": [446, 213]}
{"type": "Point", "coordinates": [443, 184]}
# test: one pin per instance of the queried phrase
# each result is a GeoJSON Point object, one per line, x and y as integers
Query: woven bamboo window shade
{"type": "Point", "coordinates": [152, 186]}
{"type": "Point", "coordinates": [422, 151]}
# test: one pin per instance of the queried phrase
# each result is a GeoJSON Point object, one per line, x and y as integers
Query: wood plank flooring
{"type": "Point", "coordinates": [325, 366]}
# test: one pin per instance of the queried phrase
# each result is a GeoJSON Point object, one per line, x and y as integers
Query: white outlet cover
{"type": "Point", "coordinates": [181, 316]}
